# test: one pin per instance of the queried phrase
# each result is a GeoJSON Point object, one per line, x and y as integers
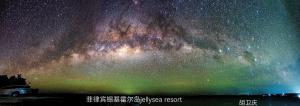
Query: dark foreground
{"type": "Point", "coordinates": [101, 100]}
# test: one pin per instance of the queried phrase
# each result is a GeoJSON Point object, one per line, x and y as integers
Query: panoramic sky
{"type": "Point", "coordinates": [152, 46]}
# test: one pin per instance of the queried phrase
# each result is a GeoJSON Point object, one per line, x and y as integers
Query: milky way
{"type": "Point", "coordinates": [170, 46]}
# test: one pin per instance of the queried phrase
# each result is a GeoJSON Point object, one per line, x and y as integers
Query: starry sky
{"type": "Point", "coordinates": [153, 46]}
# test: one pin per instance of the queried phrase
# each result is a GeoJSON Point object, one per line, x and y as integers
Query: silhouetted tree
{"type": "Point", "coordinates": [13, 80]}
{"type": "Point", "coordinates": [4, 80]}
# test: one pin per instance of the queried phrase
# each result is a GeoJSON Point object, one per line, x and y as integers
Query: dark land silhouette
{"type": "Point", "coordinates": [12, 80]}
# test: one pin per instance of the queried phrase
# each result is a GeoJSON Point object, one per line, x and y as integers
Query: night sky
{"type": "Point", "coordinates": [153, 46]}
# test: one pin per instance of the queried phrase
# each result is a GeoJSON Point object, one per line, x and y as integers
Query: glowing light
{"type": "Point", "coordinates": [125, 51]}
{"type": "Point", "coordinates": [91, 53]}
{"type": "Point", "coordinates": [122, 52]}
{"type": "Point", "coordinates": [187, 48]}
{"type": "Point", "coordinates": [220, 50]}
{"type": "Point", "coordinates": [136, 51]}
{"type": "Point", "coordinates": [298, 96]}
{"type": "Point", "coordinates": [135, 2]}
{"type": "Point", "coordinates": [77, 58]}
